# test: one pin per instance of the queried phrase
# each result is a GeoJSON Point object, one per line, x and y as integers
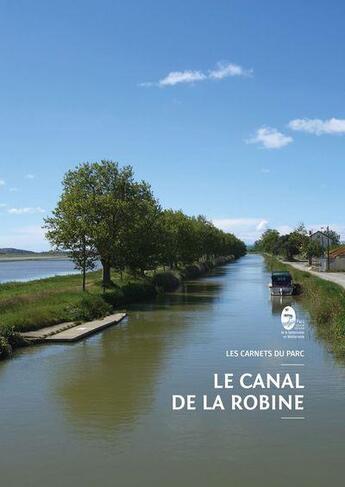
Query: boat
{"type": "Point", "coordinates": [281, 284]}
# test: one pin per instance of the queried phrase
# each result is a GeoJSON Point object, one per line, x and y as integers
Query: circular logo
{"type": "Point", "coordinates": [288, 317]}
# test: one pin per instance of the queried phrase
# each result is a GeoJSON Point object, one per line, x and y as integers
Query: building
{"type": "Point", "coordinates": [336, 260]}
{"type": "Point", "coordinates": [322, 239]}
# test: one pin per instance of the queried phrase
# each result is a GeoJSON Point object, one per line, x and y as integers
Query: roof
{"type": "Point", "coordinates": [338, 252]}
{"type": "Point", "coordinates": [281, 273]}
{"type": "Point", "coordinates": [322, 233]}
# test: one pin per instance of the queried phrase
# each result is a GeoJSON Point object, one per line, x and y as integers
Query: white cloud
{"type": "Point", "coordinates": [284, 229]}
{"type": "Point", "coordinates": [270, 138]}
{"type": "Point", "coordinates": [28, 237]}
{"type": "Point", "coordinates": [2, 182]}
{"type": "Point", "coordinates": [3, 205]}
{"type": "Point", "coordinates": [176, 77]}
{"type": "Point", "coordinates": [13, 190]}
{"type": "Point", "coordinates": [317, 126]}
{"type": "Point", "coordinates": [248, 229]}
{"type": "Point", "coordinates": [264, 170]}
{"type": "Point", "coordinates": [29, 176]}
{"type": "Point", "coordinates": [27, 210]}
{"type": "Point", "coordinates": [222, 70]}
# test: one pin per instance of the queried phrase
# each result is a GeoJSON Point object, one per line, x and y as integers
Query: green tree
{"type": "Point", "coordinates": [268, 241]}
{"type": "Point", "coordinates": [334, 236]}
{"type": "Point", "coordinates": [313, 249]}
{"type": "Point", "coordinates": [107, 197]}
{"type": "Point", "coordinates": [288, 245]}
{"type": "Point", "coordinates": [68, 230]}
{"type": "Point", "coordinates": [140, 240]}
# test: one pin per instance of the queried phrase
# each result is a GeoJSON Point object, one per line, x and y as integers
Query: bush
{"type": "Point", "coordinates": [114, 297]}
{"type": "Point", "coordinates": [138, 291]}
{"type": "Point", "coordinates": [9, 339]}
{"type": "Point", "coordinates": [192, 271]}
{"type": "Point", "coordinates": [5, 348]}
{"type": "Point", "coordinates": [166, 281]}
{"type": "Point", "coordinates": [90, 307]}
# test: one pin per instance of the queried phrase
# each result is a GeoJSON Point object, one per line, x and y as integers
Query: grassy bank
{"type": "Point", "coordinates": [36, 304]}
{"type": "Point", "coordinates": [325, 302]}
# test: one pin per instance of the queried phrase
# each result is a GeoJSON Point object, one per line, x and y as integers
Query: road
{"type": "Point", "coordinates": [336, 277]}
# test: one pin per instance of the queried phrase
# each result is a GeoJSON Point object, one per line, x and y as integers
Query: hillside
{"type": "Point", "coordinates": [9, 251]}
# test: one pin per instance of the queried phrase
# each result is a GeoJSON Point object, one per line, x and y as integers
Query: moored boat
{"type": "Point", "coordinates": [281, 284]}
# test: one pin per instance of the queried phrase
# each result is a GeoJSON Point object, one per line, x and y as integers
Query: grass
{"type": "Point", "coordinates": [36, 304]}
{"type": "Point", "coordinates": [325, 302]}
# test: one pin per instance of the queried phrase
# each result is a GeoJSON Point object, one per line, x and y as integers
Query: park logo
{"type": "Point", "coordinates": [288, 318]}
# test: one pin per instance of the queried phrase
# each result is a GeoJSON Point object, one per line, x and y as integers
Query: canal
{"type": "Point", "coordinates": [99, 412]}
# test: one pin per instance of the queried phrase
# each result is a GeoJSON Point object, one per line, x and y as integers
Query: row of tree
{"type": "Point", "coordinates": [294, 243]}
{"type": "Point", "coordinates": [105, 215]}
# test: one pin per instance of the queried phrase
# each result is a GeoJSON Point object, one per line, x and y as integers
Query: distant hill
{"type": "Point", "coordinates": [16, 251]}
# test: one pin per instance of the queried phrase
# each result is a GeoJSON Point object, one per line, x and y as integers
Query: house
{"type": "Point", "coordinates": [322, 239]}
{"type": "Point", "coordinates": [336, 260]}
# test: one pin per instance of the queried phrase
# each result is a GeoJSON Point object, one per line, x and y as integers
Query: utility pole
{"type": "Point", "coordinates": [327, 248]}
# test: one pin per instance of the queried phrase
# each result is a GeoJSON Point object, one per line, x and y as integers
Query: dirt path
{"type": "Point", "coordinates": [336, 277]}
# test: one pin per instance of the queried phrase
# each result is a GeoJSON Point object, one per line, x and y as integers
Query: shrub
{"type": "Point", "coordinates": [5, 348]}
{"type": "Point", "coordinates": [90, 307]}
{"type": "Point", "coordinates": [137, 291]}
{"type": "Point", "coordinates": [114, 297]}
{"type": "Point", "coordinates": [9, 339]}
{"type": "Point", "coordinates": [166, 281]}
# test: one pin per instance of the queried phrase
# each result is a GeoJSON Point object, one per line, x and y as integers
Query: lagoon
{"type": "Point", "coordinates": [27, 270]}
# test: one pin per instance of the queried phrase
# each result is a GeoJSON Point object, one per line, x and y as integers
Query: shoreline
{"type": "Point", "coordinates": [41, 303]}
{"type": "Point", "coordinates": [334, 277]}
{"type": "Point", "coordinates": [325, 301]}
{"type": "Point", "coordinates": [20, 258]}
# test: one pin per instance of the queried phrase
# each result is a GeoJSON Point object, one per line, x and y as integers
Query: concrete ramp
{"type": "Point", "coordinates": [77, 332]}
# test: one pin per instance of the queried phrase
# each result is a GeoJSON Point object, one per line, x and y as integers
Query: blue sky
{"type": "Point", "coordinates": [232, 109]}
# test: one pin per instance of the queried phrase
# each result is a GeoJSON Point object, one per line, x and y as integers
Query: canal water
{"type": "Point", "coordinates": [99, 412]}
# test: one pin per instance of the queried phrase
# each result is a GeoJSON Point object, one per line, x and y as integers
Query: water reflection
{"type": "Point", "coordinates": [101, 408]}
{"type": "Point", "coordinates": [278, 303]}
{"type": "Point", "coordinates": [112, 379]}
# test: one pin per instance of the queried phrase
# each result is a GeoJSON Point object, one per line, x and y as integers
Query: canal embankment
{"type": "Point", "coordinates": [335, 277]}
{"type": "Point", "coordinates": [48, 302]}
{"type": "Point", "coordinates": [323, 298]}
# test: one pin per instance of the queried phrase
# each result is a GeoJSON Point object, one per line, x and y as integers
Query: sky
{"type": "Point", "coordinates": [231, 109]}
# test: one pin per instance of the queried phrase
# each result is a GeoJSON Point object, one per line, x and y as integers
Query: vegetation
{"type": "Point", "coordinates": [35, 304]}
{"type": "Point", "coordinates": [105, 214]}
{"type": "Point", "coordinates": [293, 244]}
{"type": "Point", "coordinates": [325, 302]}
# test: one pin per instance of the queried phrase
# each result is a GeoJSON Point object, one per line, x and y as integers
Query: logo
{"type": "Point", "coordinates": [288, 318]}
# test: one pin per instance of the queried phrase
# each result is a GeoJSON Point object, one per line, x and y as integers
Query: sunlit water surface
{"type": "Point", "coordinates": [99, 412]}
{"type": "Point", "coordinates": [27, 270]}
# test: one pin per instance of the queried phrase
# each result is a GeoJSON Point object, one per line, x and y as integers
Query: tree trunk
{"type": "Point", "coordinates": [84, 265]}
{"type": "Point", "coordinates": [106, 274]}
{"type": "Point", "coordinates": [84, 278]}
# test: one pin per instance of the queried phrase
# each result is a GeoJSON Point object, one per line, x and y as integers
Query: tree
{"type": "Point", "coordinates": [103, 213]}
{"type": "Point", "coordinates": [288, 245]}
{"type": "Point", "coordinates": [67, 230]}
{"type": "Point", "coordinates": [268, 241]}
{"type": "Point", "coordinates": [313, 249]}
{"type": "Point", "coordinates": [334, 236]}
{"type": "Point", "coordinates": [107, 197]}
{"type": "Point", "coordinates": [140, 240]}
